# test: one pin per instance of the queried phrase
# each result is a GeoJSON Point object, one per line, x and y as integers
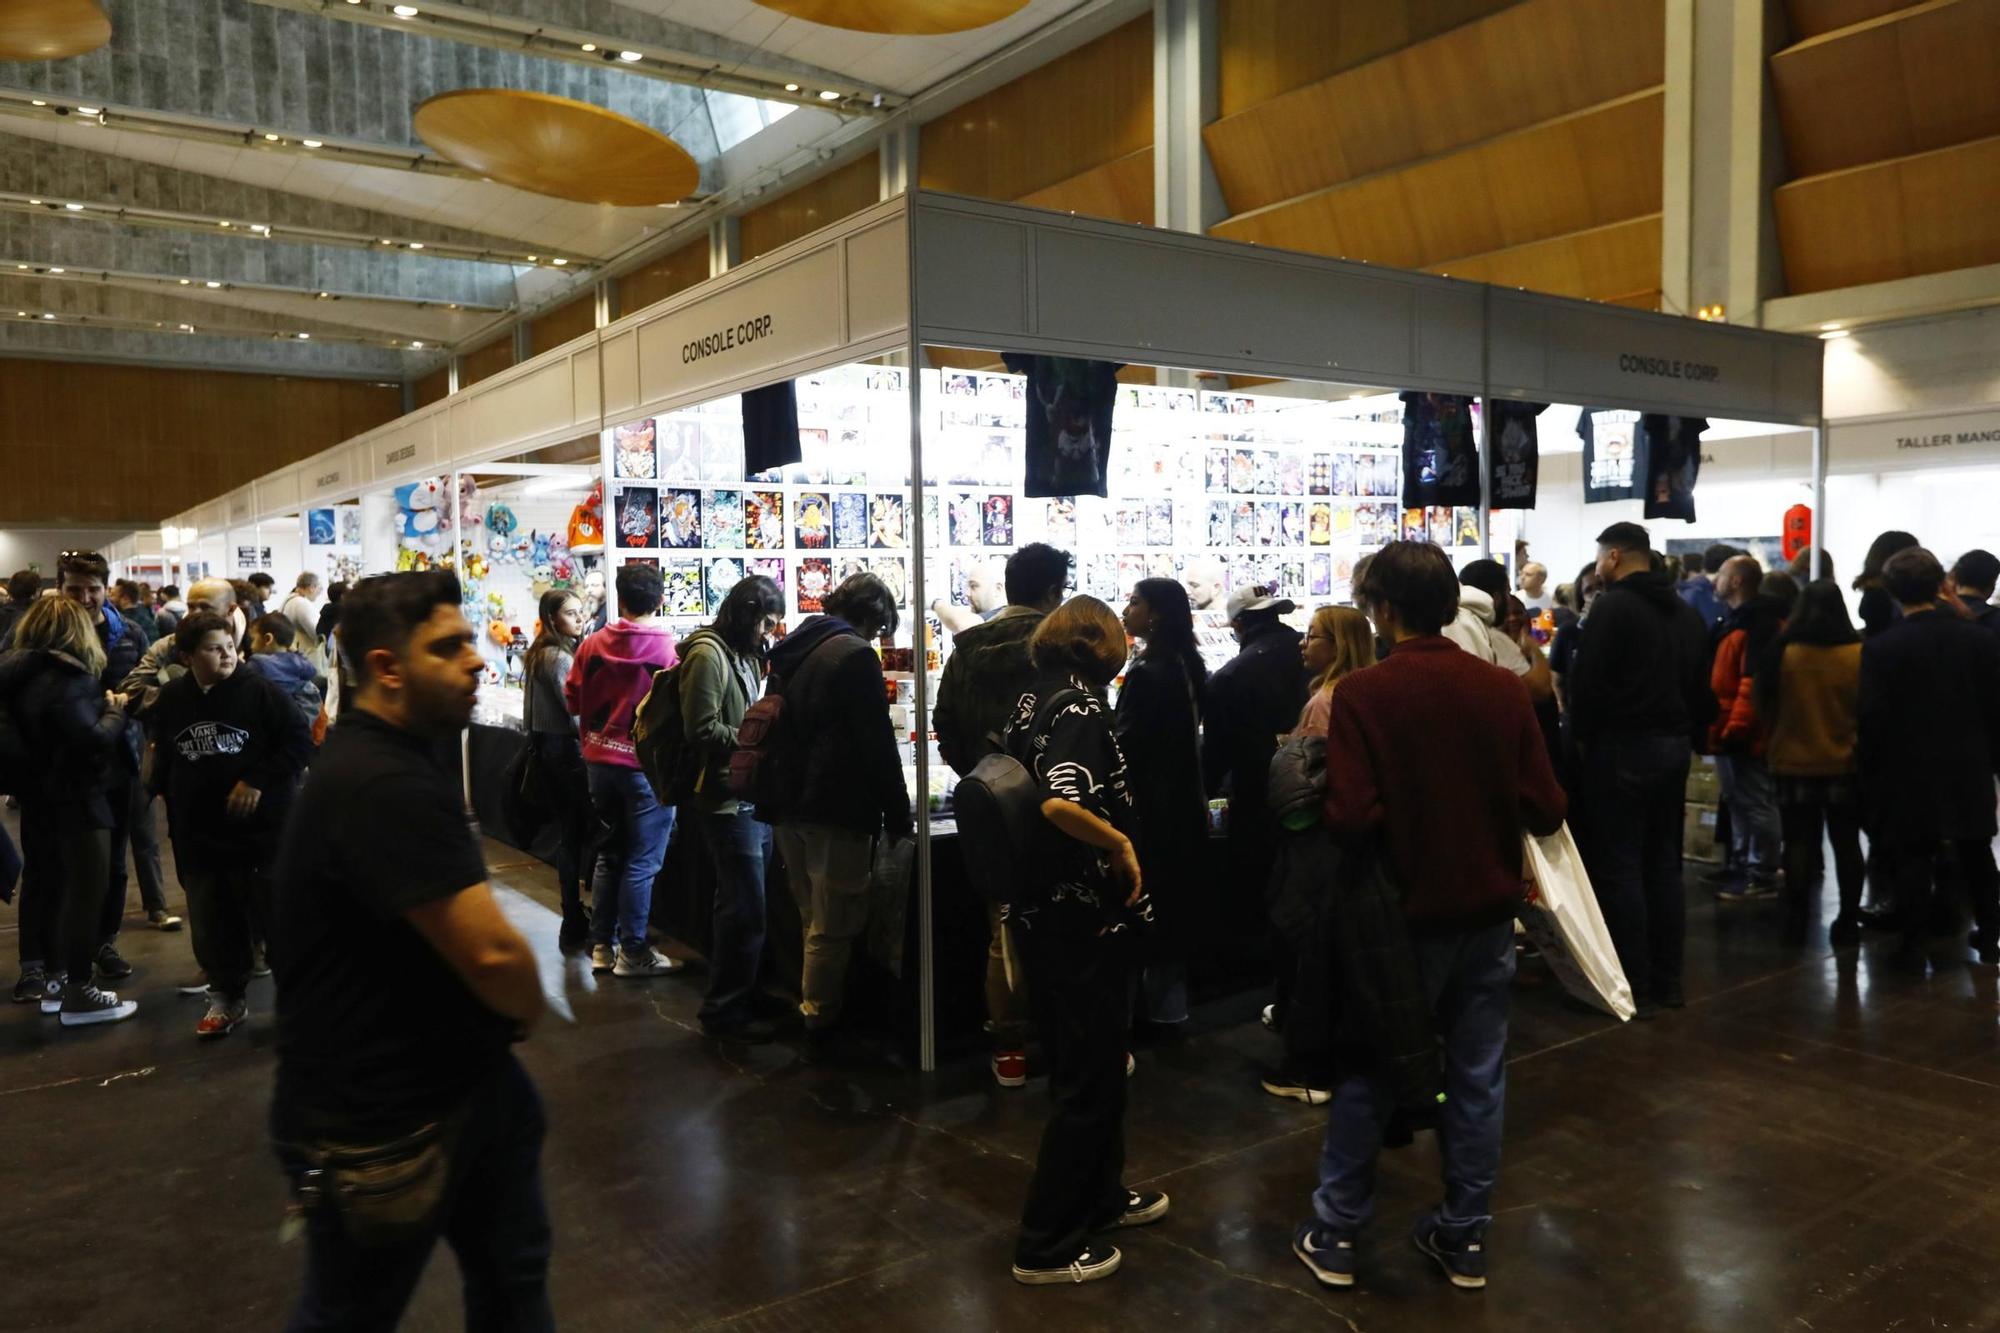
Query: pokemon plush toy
{"type": "Point", "coordinates": [586, 523]}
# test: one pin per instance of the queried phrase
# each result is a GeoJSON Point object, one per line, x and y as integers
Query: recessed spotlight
{"type": "Point", "coordinates": [186, 281]}
{"type": "Point", "coordinates": [58, 270]}
{"type": "Point", "coordinates": [1829, 328]}
{"type": "Point", "coordinates": [326, 296]}
{"type": "Point", "coordinates": [559, 261]}
{"type": "Point", "coordinates": [304, 336]}
{"type": "Point", "coordinates": [312, 143]}
{"type": "Point", "coordinates": [227, 224]}
{"type": "Point", "coordinates": [46, 315]}
{"type": "Point", "coordinates": [791, 87]}
{"type": "Point", "coordinates": [74, 208]}
{"type": "Point", "coordinates": [89, 111]}
{"type": "Point", "coordinates": [416, 245]}
{"type": "Point", "coordinates": [270, 138]}
{"type": "Point", "coordinates": [630, 57]}
{"type": "Point", "coordinates": [263, 227]}
{"type": "Point", "coordinates": [533, 258]}
{"type": "Point", "coordinates": [36, 202]}
{"type": "Point", "coordinates": [211, 285]}
{"type": "Point", "coordinates": [38, 102]}
{"type": "Point", "coordinates": [417, 343]}
{"type": "Point", "coordinates": [23, 267]}
{"type": "Point", "coordinates": [829, 95]}
{"type": "Point", "coordinates": [1836, 333]}
{"type": "Point", "coordinates": [452, 306]}
{"type": "Point", "coordinates": [404, 11]}
{"type": "Point", "coordinates": [387, 241]}
{"type": "Point", "coordinates": [590, 46]}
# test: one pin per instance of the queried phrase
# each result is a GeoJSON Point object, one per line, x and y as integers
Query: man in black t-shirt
{"type": "Point", "coordinates": [401, 987]}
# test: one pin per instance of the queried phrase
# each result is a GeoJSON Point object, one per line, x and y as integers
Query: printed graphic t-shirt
{"type": "Point", "coordinates": [1516, 452]}
{"type": "Point", "coordinates": [1069, 410]}
{"type": "Point", "coordinates": [1440, 460]}
{"type": "Point", "coordinates": [1613, 450]}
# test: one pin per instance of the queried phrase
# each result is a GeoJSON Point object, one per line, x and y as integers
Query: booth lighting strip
{"type": "Point", "coordinates": [123, 277]}
{"type": "Point", "coordinates": [160, 217]}
{"type": "Point", "coordinates": [41, 317]}
{"type": "Point", "coordinates": [457, 22]}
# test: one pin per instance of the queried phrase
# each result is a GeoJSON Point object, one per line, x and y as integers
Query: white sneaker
{"type": "Point", "coordinates": [163, 920]}
{"type": "Point", "coordinates": [602, 958]}
{"type": "Point", "coordinates": [1269, 1018]}
{"type": "Point", "coordinates": [86, 1004]}
{"type": "Point", "coordinates": [52, 989]}
{"type": "Point", "coordinates": [651, 963]}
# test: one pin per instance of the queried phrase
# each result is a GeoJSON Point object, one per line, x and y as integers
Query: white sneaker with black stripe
{"type": "Point", "coordinates": [648, 962]}
{"type": "Point", "coordinates": [1142, 1207]}
{"type": "Point", "coordinates": [1095, 1262]}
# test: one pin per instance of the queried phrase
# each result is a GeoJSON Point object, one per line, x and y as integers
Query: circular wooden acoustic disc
{"type": "Point", "coordinates": [51, 29]}
{"type": "Point", "coordinates": [555, 146]}
{"type": "Point", "coordinates": [905, 18]}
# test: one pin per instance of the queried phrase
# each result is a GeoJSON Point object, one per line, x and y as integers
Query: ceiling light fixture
{"type": "Point", "coordinates": [404, 11]}
{"type": "Point", "coordinates": [559, 261]}
{"type": "Point", "coordinates": [226, 224]}
{"type": "Point", "coordinates": [46, 315]}
{"type": "Point", "coordinates": [417, 343]}
{"type": "Point", "coordinates": [304, 336]}
{"type": "Point", "coordinates": [36, 202]}
{"type": "Point", "coordinates": [22, 267]}
{"type": "Point", "coordinates": [416, 245]}
{"type": "Point", "coordinates": [38, 102]}
{"type": "Point", "coordinates": [631, 57]}
{"type": "Point", "coordinates": [312, 143]}
{"type": "Point", "coordinates": [590, 46]}
{"type": "Point", "coordinates": [74, 208]}
{"type": "Point", "coordinates": [1829, 328]}
{"type": "Point", "coordinates": [387, 241]}
{"type": "Point", "coordinates": [187, 328]}
{"type": "Point", "coordinates": [186, 281]}
{"type": "Point", "coordinates": [791, 87]}
{"type": "Point", "coordinates": [58, 270]}
{"type": "Point", "coordinates": [829, 95]}
{"type": "Point", "coordinates": [211, 285]}
{"type": "Point", "coordinates": [89, 111]}
{"type": "Point", "coordinates": [270, 138]}
{"type": "Point", "coordinates": [533, 258]}
{"type": "Point", "coordinates": [1830, 336]}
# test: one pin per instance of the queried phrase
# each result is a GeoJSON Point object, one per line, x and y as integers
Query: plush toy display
{"type": "Point", "coordinates": [420, 523]}
{"type": "Point", "coordinates": [468, 507]}
{"type": "Point", "coordinates": [586, 523]}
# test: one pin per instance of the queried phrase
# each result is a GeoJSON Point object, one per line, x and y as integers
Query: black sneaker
{"type": "Point", "coordinates": [1094, 1262]}
{"type": "Point", "coordinates": [111, 964]}
{"type": "Point", "coordinates": [1464, 1263]}
{"type": "Point", "coordinates": [574, 937]}
{"type": "Point", "coordinates": [1142, 1207]}
{"type": "Point", "coordinates": [86, 1004]}
{"type": "Point", "coordinates": [749, 1031]}
{"type": "Point", "coordinates": [1845, 931]}
{"type": "Point", "coordinates": [28, 990]}
{"type": "Point", "coordinates": [1326, 1252]}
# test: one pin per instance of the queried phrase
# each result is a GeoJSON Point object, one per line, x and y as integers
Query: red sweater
{"type": "Point", "coordinates": [1439, 753]}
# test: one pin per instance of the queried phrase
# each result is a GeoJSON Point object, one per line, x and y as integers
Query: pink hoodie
{"type": "Point", "coordinates": [612, 672]}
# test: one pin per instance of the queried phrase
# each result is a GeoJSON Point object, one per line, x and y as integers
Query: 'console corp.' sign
{"type": "Point", "coordinates": [738, 335]}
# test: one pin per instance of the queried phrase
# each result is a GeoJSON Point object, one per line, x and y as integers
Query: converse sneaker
{"type": "Point", "coordinates": [1010, 1068]}
{"type": "Point", "coordinates": [86, 1004]}
{"type": "Point", "coordinates": [1326, 1252]}
{"type": "Point", "coordinates": [1142, 1207]}
{"type": "Point", "coordinates": [161, 919]}
{"type": "Point", "coordinates": [28, 990]}
{"type": "Point", "coordinates": [223, 1017]}
{"type": "Point", "coordinates": [1298, 1087]}
{"type": "Point", "coordinates": [602, 958]}
{"type": "Point", "coordinates": [111, 964]}
{"type": "Point", "coordinates": [647, 962]}
{"type": "Point", "coordinates": [52, 992]}
{"type": "Point", "coordinates": [1094, 1262]}
{"type": "Point", "coordinates": [1464, 1262]}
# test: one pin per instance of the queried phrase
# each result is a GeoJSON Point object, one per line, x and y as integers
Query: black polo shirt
{"type": "Point", "coordinates": [375, 1031]}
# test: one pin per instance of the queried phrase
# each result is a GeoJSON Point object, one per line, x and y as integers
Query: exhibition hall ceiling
{"type": "Point", "coordinates": [242, 182]}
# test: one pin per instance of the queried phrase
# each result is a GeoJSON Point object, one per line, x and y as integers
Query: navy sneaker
{"type": "Point", "coordinates": [1464, 1262]}
{"type": "Point", "coordinates": [1329, 1254]}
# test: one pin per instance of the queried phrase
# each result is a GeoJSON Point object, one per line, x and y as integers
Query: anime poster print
{"type": "Point", "coordinates": [1291, 474]}
{"type": "Point", "coordinates": [1415, 528]}
{"type": "Point", "coordinates": [1160, 523]}
{"type": "Point", "coordinates": [962, 511]}
{"type": "Point", "coordinates": [722, 575]}
{"type": "Point", "coordinates": [850, 520]}
{"type": "Point", "coordinates": [680, 520]}
{"type": "Point", "coordinates": [886, 523]}
{"type": "Point", "coordinates": [1467, 522]}
{"type": "Point", "coordinates": [813, 524]}
{"type": "Point", "coordinates": [931, 530]}
{"type": "Point", "coordinates": [894, 571]}
{"type": "Point", "coordinates": [319, 527]}
{"type": "Point", "coordinates": [1242, 472]}
{"type": "Point", "coordinates": [1218, 523]}
{"type": "Point", "coordinates": [1243, 523]}
{"type": "Point", "coordinates": [1059, 523]}
{"type": "Point", "coordinates": [1268, 523]}
{"type": "Point", "coordinates": [1100, 578]}
{"type": "Point", "coordinates": [678, 443]}
{"type": "Point", "coordinates": [1319, 575]}
{"type": "Point", "coordinates": [1128, 525]}
{"type": "Point", "coordinates": [764, 520]}
{"type": "Point", "coordinates": [722, 451]}
{"type": "Point", "coordinates": [1319, 525]}
{"type": "Point", "coordinates": [766, 567]}
{"type": "Point", "coordinates": [723, 512]}
{"type": "Point", "coordinates": [683, 588]}
{"type": "Point", "coordinates": [638, 518]}
{"type": "Point", "coordinates": [1131, 569]}
{"type": "Point", "coordinates": [999, 520]}
{"type": "Point", "coordinates": [350, 527]}
{"type": "Point", "coordinates": [632, 451]}
{"type": "Point", "coordinates": [1292, 523]}
{"type": "Point", "coordinates": [1343, 475]}
{"type": "Point", "coordinates": [1319, 475]}
{"type": "Point", "coordinates": [1439, 522]}
{"type": "Point", "coordinates": [815, 582]}
{"type": "Point", "coordinates": [1215, 475]}
{"type": "Point", "coordinates": [1266, 471]}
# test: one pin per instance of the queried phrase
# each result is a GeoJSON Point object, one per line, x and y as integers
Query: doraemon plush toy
{"type": "Point", "coordinates": [417, 515]}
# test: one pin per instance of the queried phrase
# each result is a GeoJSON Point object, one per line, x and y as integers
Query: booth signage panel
{"type": "Point", "coordinates": [407, 450]}
{"type": "Point", "coordinates": [586, 402]}
{"type": "Point", "coordinates": [329, 475]}
{"type": "Point", "coordinates": [1931, 440]}
{"type": "Point", "coordinates": [242, 503]}
{"type": "Point", "coordinates": [621, 374]}
{"type": "Point", "coordinates": [878, 279]}
{"type": "Point", "coordinates": [516, 412]}
{"type": "Point", "coordinates": [769, 319]}
{"type": "Point", "coordinates": [959, 292]}
{"type": "Point", "coordinates": [278, 493]}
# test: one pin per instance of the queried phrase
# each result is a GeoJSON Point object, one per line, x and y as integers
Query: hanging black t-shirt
{"type": "Point", "coordinates": [376, 1033]}
{"type": "Point", "coordinates": [1517, 452]}
{"type": "Point", "coordinates": [771, 428]}
{"type": "Point", "coordinates": [1613, 455]}
{"type": "Point", "coordinates": [1672, 463]}
{"type": "Point", "coordinates": [1070, 405]}
{"type": "Point", "coordinates": [1440, 460]}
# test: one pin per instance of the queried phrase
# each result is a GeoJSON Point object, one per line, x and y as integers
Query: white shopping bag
{"type": "Point", "coordinates": [1560, 915]}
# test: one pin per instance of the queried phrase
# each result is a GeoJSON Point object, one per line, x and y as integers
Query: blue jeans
{"type": "Point", "coordinates": [633, 849]}
{"type": "Point", "coordinates": [1751, 794]}
{"type": "Point", "coordinates": [493, 1216]}
{"type": "Point", "coordinates": [738, 849]}
{"type": "Point", "coordinates": [1466, 977]}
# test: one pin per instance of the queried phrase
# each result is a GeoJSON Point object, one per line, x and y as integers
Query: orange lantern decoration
{"type": "Point", "coordinates": [1798, 531]}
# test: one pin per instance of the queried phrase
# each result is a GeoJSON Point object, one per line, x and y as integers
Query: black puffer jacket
{"type": "Point", "coordinates": [838, 745]}
{"type": "Point", "coordinates": [61, 707]}
{"type": "Point", "coordinates": [1643, 668]}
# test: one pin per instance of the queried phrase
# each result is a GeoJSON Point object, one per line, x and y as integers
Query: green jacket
{"type": "Point", "coordinates": [718, 685]}
{"type": "Point", "coordinates": [984, 677]}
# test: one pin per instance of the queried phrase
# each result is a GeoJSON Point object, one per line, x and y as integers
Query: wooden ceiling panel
{"type": "Point", "coordinates": [570, 320]}
{"type": "Point", "coordinates": [663, 277]}
{"type": "Point", "coordinates": [1895, 85]}
{"type": "Point", "coordinates": [838, 194]}
{"type": "Point", "coordinates": [1810, 18]}
{"type": "Point", "coordinates": [485, 362]}
{"type": "Point", "coordinates": [1518, 67]}
{"type": "Point", "coordinates": [1618, 263]}
{"type": "Point", "coordinates": [1121, 190]}
{"type": "Point", "coordinates": [1087, 108]}
{"type": "Point", "coordinates": [1268, 47]}
{"type": "Point", "coordinates": [1582, 171]}
{"type": "Point", "coordinates": [1928, 213]}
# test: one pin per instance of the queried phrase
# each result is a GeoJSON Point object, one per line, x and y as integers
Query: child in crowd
{"type": "Point", "coordinates": [272, 657]}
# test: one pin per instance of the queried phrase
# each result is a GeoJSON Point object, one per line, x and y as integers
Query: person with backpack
{"type": "Point", "coordinates": [1074, 924]}
{"type": "Point", "coordinates": [65, 736]}
{"type": "Point", "coordinates": [987, 671]}
{"type": "Point", "coordinates": [720, 675]}
{"type": "Point", "coordinates": [272, 657]}
{"type": "Point", "coordinates": [838, 785]}
{"type": "Point", "coordinates": [232, 746]}
{"type": "Point", "coordinates": [552, 733]}
{"type": "Point", "coordinates": [610, 675]}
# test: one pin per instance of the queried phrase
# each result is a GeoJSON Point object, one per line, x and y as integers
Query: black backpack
{"type": "Point", "coordinates": [21, 765]}
{"type": "Point", "coordinates": [1000, 824]}
{"type": "Point", "coordinates": [659, 737]}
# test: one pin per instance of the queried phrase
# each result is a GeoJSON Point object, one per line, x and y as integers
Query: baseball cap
{"type": "Point", "coordinates": [1258, 597]}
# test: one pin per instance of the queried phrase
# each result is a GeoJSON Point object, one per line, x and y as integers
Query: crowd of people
{"type": "Point", "coordinates": [1380, 770]}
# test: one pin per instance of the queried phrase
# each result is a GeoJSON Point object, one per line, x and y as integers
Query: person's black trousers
{"type": "Point", "coordinates": [1634, 788]}
{"type": "Point", "coordinates": [1808, 807]}
{"type": "Point", "coordinates": [229, 907]}
{"type": "Point", "coordinates": [1079, 986]}
{"type": "Point", "coordinates": [493, 1216]}
{"type": "Point", "coordinates": [136, 833]}
{"type": "Point", "coordinates": [63, 882]}
{"type": "Point", "coordinates": [1914, 867]}
{"type": "Point", "coordinates": [575, 817]}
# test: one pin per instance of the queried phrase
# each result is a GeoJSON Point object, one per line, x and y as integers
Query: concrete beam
{"type": "Point", "coordinates": [78, 342]}
{"type": "Point", "coordinates": [1186, 194]}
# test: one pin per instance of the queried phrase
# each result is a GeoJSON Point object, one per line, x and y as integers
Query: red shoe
{"type": "Point", "coordinates": [1010, 1068]}
{"type": "Point", "coordinates": [223, 1017]}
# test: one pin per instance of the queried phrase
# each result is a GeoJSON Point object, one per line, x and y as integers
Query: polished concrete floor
{"type": "Point", "coordinates": [1813, 1144]}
